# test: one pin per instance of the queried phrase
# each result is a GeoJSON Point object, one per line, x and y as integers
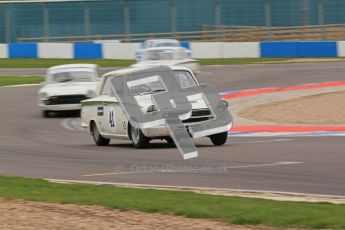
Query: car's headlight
{"type": "Point", "coordinates": [226, 103]}
{"type": "Point", "coordinates": [151, 109]}
{"type": "Point", "coordinates": [43, 96]}
{"type": "Point", "coordinates": [223, 103]}
{"type": "Point", "coordinates": [90, 94]}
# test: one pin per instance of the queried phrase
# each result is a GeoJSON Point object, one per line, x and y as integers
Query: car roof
{"type": "Point", "coordinates": [70, 66]}
{"type": "Point", "coordinates": [163, 40]}
{"type": "Point", "coordinates": [120, 72]}
{"type": "Point", "coordinates": [164, 48]}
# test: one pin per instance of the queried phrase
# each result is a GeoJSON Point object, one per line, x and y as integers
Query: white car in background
{"type": "Point", "coordinates": [159, 43]}
{"type": "Point", "coordinates": [171, 56]}
{"type": "Point", "coordinates": [104, 118]}
{"type": "Point", "coordinates": [66, 85]}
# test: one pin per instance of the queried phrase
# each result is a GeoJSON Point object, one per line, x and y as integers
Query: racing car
{"type": "Point", "coordinates": [159, 43]}
{"type": "Point", "coordinates": [172, 56]}
{"type": "Point", "coordinates": [65, 86]}
{"type": "Point", "coordinates": [105, 119]}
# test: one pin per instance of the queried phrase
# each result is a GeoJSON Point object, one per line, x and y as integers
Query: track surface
{"type": "Point", "coordinates": [31, 146]}
{"type": "Point", "coordinates": [240, 77]}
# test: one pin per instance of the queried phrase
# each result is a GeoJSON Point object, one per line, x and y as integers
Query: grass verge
{"type": "Point", "coordinates": [45, 63]}
{"type": "Point", "coordinates": [13, 80]}
{"type": "Point", "coordinates": [234, 210]}
{"type": "Point", "coordinates": [238, 61]}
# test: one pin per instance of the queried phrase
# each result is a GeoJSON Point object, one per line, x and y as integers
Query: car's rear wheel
{"type": "Point", "coordinates": [138, 138]}
{"type": "Point", "coordinates": [219, 138]}
{"type": "Point", "coordinates": [97, 137]}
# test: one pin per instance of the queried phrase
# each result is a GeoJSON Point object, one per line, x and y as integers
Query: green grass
{"type": "Point", "coordinates": [238, 61]}
{"type": "Point", "coordinates": [13, 80]}
{"type": "Point", "coordinates": [45, 63]}
{"type": "Point", "coordinates": [234, 210]}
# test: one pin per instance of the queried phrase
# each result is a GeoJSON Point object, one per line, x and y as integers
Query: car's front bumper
{"type": "Point", "coordinates": [60, 107]}
{"type": "Point", "coordinates": [158, 131]}
{"type": "Point", "coordinates": [162, 131]}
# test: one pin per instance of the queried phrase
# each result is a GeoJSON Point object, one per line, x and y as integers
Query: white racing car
{"type": "Point", "coordinates": [104, 118]}
{"type": "Point", "coordinates": [171, 56]}
{"type": "Point", "coordinates": [65, 86]}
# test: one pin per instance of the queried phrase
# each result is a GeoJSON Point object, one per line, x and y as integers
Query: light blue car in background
{"type": "Point", "coordinates": [159, 43]}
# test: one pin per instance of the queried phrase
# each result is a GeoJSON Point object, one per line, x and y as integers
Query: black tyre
{"type": "Point", "coordinates": [97, 137]}
{"type": "Point", "coordinates": [139, 140]}
{"type": "Point", "coordinates": [219, 138]}
{"type": "Point", "coordinates": [45, 113]}
{"type": "Point", "coordinates": [170, 141]}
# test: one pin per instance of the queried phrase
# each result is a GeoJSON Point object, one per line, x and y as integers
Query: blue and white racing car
{"type": "Point", "coordinates": [159, 43]}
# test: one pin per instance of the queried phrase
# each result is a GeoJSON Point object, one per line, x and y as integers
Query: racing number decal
{"type": "Point", "coordinates": [111, 118]}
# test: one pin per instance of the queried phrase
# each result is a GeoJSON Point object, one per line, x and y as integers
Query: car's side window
{"type": "Point", "coordinates": [112, 94]}
{"type": "Point", "coordinates": [106, 87]}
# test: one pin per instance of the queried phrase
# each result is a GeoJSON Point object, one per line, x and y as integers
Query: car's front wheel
{"type": "Point", "coordinates": [97, 137]}
{"type": "Point", "coordinates": [45, 113]}
{"type": "Point", "coordinates": [219, 138]}
{"type": "Point", "coordinates": [170, 141]}
{"type": "Point", "coordinates": [138, 138]}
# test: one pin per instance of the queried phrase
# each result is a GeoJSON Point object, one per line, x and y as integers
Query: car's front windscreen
{"type": "Point", "coordinates": [168, 44]}
{"type": "Point", "coordinates": [78, 75]}
{"type": "Point", "coordinates": [152, 55]}
{"type": "Point", "coordinates": [184, 78]}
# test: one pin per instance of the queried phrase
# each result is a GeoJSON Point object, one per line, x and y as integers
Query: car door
{"type": "Point", "coordinates": [117, 124]}
{"type": "Point", "coordinates": [116, 120]}
{"type": "Point", "coordinates": [109, 115]}
{"type": "Point", "coordinates": [102, 110]}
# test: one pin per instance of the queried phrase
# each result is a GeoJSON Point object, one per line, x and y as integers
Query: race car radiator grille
{"type": "Point", "coordinates": [199, 115]}
{"type": "Point", "coordinates": [65, 99]}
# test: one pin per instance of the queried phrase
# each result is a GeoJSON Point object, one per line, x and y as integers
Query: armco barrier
{"type": "Point", "coordinates": [55, 50]}
{"type": "Point", "coordinates": [87, 50]}
{"type": "Point", "coordinates": [119, 50]}
{"type": "Point", "coordinates": [298, 49]}
{"type": "Point", "coordinates": [199, 49]}
{"type": "Point", "coordinates": [341, 48]}
{"type": "Point", "coordinates": [22, 50]}
{"type": "Point", "coordinates": [3, 51]}
{"type": "Point", "coordinates": [225, 49]}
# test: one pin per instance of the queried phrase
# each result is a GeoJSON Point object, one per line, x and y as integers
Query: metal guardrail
{"type": "Point", "coordinates": [219, 34]}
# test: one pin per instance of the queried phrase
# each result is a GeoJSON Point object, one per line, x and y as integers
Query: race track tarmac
{"type": "Point", "coordinates": [240, 77]}
{"type": "Point", "coordinates": [32, 146]}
